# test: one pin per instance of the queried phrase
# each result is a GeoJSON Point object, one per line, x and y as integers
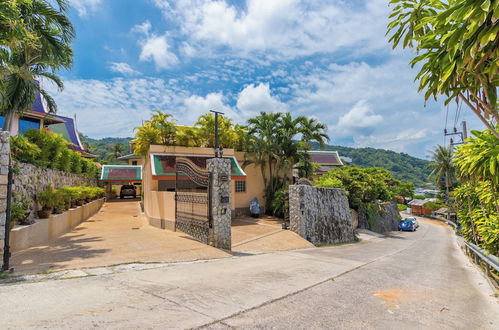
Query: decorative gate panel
{"type": "Point", "coordinates": [192, 195]}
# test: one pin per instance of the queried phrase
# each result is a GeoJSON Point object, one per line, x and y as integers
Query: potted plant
{"type": "Point", "coordinates": [20, 211]}
{"type": "Point", "coordinates": [62, 201]}
{"type": "Point", "coordinates": [47, 200]}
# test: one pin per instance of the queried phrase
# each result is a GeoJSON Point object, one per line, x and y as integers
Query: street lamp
{"type": "Point", "coordinates": [218, 151]}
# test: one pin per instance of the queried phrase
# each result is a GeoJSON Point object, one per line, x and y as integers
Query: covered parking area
{"type": "Point", "coordinates": [115, 176]}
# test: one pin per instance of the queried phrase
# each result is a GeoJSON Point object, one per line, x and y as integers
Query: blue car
{"type": "Point", "coordinates": [406, 225]}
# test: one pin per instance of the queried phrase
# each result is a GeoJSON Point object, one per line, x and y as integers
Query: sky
{"type": "Point", "coordinates": [325, 59]}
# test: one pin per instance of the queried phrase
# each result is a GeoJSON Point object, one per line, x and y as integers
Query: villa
{"type": "Point", "coordinates": [38, 117]}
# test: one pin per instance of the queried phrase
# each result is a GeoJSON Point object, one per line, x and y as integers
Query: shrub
{"type": "Point", "coordinates": [23, 150]}
{"type": "Point", "coordinates": [280, 203]}
{"type": "Point", "coordinates": [419, 197]}
{"type": "Point", "coordinates": [402, 207]}
{"type": "Point", "coordinates": [49, 150]}
{"type": "Point", "coordinates": [47, 198]}
{"type": "Point", "coordinates": [20, 211]}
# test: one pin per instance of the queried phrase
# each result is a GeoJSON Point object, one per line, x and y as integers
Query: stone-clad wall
{"type": "Point", "coordinates": [4, 163]}
{"type": "Point", "coordinates": [320, 215]}
{"type": "Point", "coordinates": [30, 179]}
{"type": "Point", "coordinates": [383, 218]}
{"type": "Point", "coordinates": [220, 233]}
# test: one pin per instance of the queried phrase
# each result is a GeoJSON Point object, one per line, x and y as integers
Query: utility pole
{"type": "Point", "coordinates": [462, 135]}
{"type": "Point", "coordinates": [218, 151]}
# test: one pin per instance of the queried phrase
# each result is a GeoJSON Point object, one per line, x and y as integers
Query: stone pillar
{"type": "Point", "coordinates": [4, 171]}
{"type": "Point", "coordinates": [220, 235]}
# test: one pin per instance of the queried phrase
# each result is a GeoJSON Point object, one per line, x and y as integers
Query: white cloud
{"type": "Point", "coordinates": [360, 116]}
{"type": "Point", "coordinates": [154, 47]}
{"type": "Point", "coordinates": [280, 28]}
{"type": "Point", "coordinates": [115, 107]}
{"type": "Point", "coordinates": [255, 98]}
{"type": "Point", "coordinates": [196, 106]}
{"type": "Point", "coordinates": [123, 68]}
{"type": "Point", "coordinates": [84, 6]}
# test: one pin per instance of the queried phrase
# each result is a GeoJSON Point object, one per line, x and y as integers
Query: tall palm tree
{"type": "Point", "coordinates": [23, 65]}
{"type": "Point", "coordinates": [262, 130]}
{"type": "Point", "coordinates": [313, 130]}
{"type": "Point", "coordinates": [443, 171]}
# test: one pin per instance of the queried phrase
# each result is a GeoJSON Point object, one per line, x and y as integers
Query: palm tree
{"type": "Point", "coordinates": [118, 149]}
{"type": "Point", "coordinates": [166, 125]}
{"type": "Point", "coordinates": [23, 65]}
{"type": "Point", "coordinates": [443, 171]}
{"type": "Point", "coordinates": [313, 130]}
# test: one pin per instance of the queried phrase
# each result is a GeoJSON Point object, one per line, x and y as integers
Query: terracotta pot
{"type": "Point", "coordinates": [44, 214]}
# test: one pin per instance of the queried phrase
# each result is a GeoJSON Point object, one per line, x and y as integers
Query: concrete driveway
{"type": "Point", "coordinates": [263, 235]}
{"type": "Point", "coordinates": [116, 234]}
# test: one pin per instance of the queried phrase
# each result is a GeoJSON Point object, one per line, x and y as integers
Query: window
{"type": "Point", "coordinates": [28, 123]}
{"type": "Point", "coordinates": [240, 186]}
{"type": "Point", "coordinates": [134, 162]}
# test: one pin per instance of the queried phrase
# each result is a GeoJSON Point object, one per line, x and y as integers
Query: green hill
{"type": "Point", "coordinates": [104, 148]}
{"type": "Point", "coordinates": [403, 166]}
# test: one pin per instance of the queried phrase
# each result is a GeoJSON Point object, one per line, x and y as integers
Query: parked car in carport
{"type": "Point", "coordinates": [406, 225]}
{"type": "Point", "coordinates": [128, 190]}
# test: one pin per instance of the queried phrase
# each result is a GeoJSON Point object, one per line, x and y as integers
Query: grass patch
{"type": "Point", "coordinates": [4, 275]}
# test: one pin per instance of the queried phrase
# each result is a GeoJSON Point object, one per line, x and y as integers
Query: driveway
{"type": "Point", "coordinates": [405, 280]}
{"type": "Point", "coordinates": [116, 234]}
{"type": "Point", "coordinates": [256, 235]}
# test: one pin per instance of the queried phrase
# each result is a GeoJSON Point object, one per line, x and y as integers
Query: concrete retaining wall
{"type": "Point", "coordinates": [320, 215]}
{"type": "Point", "coordinates": [44, 230]}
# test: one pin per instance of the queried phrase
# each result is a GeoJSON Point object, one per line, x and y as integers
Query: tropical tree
{"type": "Point", "coordinates": [274, 145]}
{"type": "Point", "coordinates": [478, 158]}
{"type": "Point", "coordinates": [442, 169]}
{"type": "Point", "coordinates": [166, 125]}
{"type": "Point", "coordinates": [457, 50]}
{"type": "Point", "coordinates": [145, 135]}
{"type": "Point", "coordinates": [22, 65]}
{"type": "Point", "coordinates": [230, 135]}
{"type": "Point", "coordinates": [118, 149]}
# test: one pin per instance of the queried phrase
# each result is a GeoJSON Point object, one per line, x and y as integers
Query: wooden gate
{"type": "Point", "coordinates": [192, 196]}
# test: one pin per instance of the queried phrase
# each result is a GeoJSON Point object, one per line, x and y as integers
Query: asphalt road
{"type": "Point", "coordinates": [407, 280]}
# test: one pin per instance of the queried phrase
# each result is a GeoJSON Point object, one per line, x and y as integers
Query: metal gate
{"type": "Point", "coordinates": [192, 196]}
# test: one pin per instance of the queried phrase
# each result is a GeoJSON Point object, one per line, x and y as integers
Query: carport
{"type": "Point", "coordinates": [118, 175]}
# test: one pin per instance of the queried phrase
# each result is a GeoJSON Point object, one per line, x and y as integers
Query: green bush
{"type": "Point", "coordinates": [49, 150]}
{"type": "Point", "coordinates": [23, 150]}
{"type": "Point", "coordinates": [363, 185]}
{"type": "Point", "coordinates": [402, 207]}
{"type": "Point", "coordinates": [419, 197]}
{"type": "Point", "coordinates": [47, 198]}
{"type": "Point", "coordinates": [19, 210]}
{"type": "Point", "coordinates": [280, 203]}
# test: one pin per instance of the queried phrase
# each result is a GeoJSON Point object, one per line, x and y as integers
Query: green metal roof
{"type": "Point", "coordinates": [129, 156]}
{"type": "Point", "coordinates": [121, 173]}
{"type": "Point", "coordinates": [164, 164]}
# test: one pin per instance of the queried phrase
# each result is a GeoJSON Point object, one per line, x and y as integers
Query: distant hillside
{"type": "Point", "coordinates": [403, 166]}
{"type": "Point", "coordinates": [105, 148]}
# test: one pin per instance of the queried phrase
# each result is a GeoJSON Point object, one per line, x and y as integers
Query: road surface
{"type": "Point", "coordinates": [404, 281]}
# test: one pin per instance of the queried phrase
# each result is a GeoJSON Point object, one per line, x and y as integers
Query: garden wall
{"type": "Point", "coordinates": [44, 230]}
{"type": "Point", "coordinates": [30, 179]}
{"type": "Point", "coordinates": [320, 215]}
{"type": "Point", "coordinates": [379, 218]}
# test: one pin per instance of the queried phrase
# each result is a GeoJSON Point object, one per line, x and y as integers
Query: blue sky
{"type": "Point", "coordinates": [326, 59]}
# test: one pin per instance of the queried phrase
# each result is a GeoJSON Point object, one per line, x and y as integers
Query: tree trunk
{"type": "Point", "coordinates": [7, 125]}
